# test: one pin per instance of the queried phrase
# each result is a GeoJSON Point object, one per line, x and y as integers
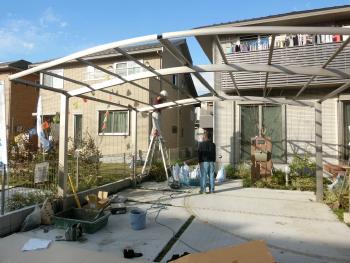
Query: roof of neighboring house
{"type": "Point", "coordinates": [303, 12]}
{"type": "Point", "coordinates": [181, 44]}
{"type": "Point", "coordinates": [335, 15]}
{"type": "Point", "coordinates": [18, 64]}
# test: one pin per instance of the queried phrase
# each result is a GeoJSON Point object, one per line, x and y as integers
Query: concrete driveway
{"type": "Point", "coordinates": [294, 226]}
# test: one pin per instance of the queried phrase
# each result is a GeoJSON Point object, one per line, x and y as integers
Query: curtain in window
{"type": "Point", "coordinates": [272, 123]}
{"type": "Point", "coordinates": [117, 122]}
{"type": "Point", "coordinates": [249, 128]}
{"type": "Point", "coordinates": [120, 122]}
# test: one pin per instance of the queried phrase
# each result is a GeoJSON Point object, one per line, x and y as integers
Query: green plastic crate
{"type": "Point", "coordinates": [83, 216]}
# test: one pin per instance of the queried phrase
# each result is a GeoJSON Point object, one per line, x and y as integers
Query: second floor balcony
{"type": "Point", "coordinates": [304, 56]}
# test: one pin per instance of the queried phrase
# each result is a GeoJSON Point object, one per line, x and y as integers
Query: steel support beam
{"type": "Point", "coordinates": [84, 53]}
{"type": "Point", "coordinates": [329, 60]}
{"type": "Point", "coordinates": [224, 59]}
{"type": "Point", "coordinates": [184, 61]}
{"type": "Point", "coordinates": [188, 33]}
{"type": "Point", "coordinates": [259, 30]}
{"type": "Point", "coordinates": [269, 61]}
{"type": "Point", "coordinates": [92, 90]}
{"type": "Point", "coordinates": [236, 67]}
{"type": "Point", "coordinates": [250, 99]}
{"type": "Point", "coordinates": [319, 159]}
{"type": "Point", "coordinates": [63, 148]}
{"type": "Point", "coordinates": [63, 92]}
{"type": "Point", "coordinates": [39, 86]}
{"type": "Point", "coordinates": [118, 76]}
{"type": "Point", "coordinates": [107, 102]}
{"type": "Point", "coordinates": [152, 70]}
{"type": "Point", "coordinates": [148, 68]}
{"type": "Point", "coordinates": [134, 144]}
{"type": "Point", "coordinates": [336, 91]}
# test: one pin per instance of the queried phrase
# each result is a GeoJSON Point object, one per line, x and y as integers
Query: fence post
{"type": "Point", "coordinates": [3, 184]}
{"type": "Point", "coordinates": [134, 143]}
{"type": "Point", "coordinates": [77, 172]}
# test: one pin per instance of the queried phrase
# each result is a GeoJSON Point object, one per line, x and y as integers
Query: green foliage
{"type": "Point", "coordinates": [157, 172]}
{"type": "Point", "coordinates": [89, 162]}
{"type": "Point", "coordinates": [304, 183]}
{"type": "Point", "coordinates": [230, 172]}
{"type": "Point", "coordinates": [19, 200]}
{"type": "Point", "coordinates": [278, 178]}
{"type": "Point", "coordinates": [302, 165]}
{"type": "Point", "coordinates": [242, 170]}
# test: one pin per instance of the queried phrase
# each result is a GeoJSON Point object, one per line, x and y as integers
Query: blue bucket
{"type": "Point", "coordinates": [137, 219]}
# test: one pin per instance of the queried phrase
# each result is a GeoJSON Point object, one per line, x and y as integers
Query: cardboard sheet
{"type": "Point", "coordinates": [250, 252]}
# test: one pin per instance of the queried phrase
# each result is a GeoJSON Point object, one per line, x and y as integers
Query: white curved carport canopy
{"type": "Point", "coordinates": [187, 67]}
{"type": "Point", "coordinates": [268, 68]}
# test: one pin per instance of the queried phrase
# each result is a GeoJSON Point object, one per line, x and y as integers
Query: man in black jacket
{"type": "Point", "coordinates": [207, 158]}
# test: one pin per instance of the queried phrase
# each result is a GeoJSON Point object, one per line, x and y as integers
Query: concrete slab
{"type": "Point", "coordinates": [118, 234]}
{"type": "Point", "coordinates": [56, 253]}
{"type": "Point", "coordinates": [295, 227]}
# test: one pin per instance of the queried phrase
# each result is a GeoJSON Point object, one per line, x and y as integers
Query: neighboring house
{"type": "Point", "coordinates": [87, 117]}
{"type": "Point", "coordinates": [21, 100]}
{"type": "Point", "coordinates": [205, 118]}
{"type": "Point", "coordinates": [292, 128]}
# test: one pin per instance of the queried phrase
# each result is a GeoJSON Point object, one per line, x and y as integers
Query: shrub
{"type": "Point", "coordinates": [157, 172]}
{"type": "Point", "coordinates": [302, 165]}
{"type": "Point", "coordinates": [230, 172]}
{"type": "Point", "coordinates": [19, 200]}
{"type": "Point", "coordinates": [278, 178]}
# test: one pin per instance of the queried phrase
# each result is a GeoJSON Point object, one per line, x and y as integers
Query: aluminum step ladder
{"type": "Point", "coordinates": [156, 140]}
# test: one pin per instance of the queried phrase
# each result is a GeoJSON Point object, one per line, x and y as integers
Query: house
{"type": "Point", "coordinates": [291, 128]}
{"type": "Point", "coordinates": [204, 115]}
{"type": "Point", "coordinates": [109, 125]}
{"type": "Point", "coordinates": [20, 99]}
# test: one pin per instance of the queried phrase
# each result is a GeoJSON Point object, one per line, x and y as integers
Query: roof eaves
{"type": "Point", "coordinates": [283, 15]}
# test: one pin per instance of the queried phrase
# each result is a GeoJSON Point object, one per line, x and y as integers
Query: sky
{"type": "Point", "coordinates": [37, 30]}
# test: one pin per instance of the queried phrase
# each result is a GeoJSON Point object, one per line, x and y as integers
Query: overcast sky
{"type": "Point", "coordinates": [38, 30]}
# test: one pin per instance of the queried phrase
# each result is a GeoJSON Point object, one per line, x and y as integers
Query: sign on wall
{"type": "Point", "coordinates": [3, 139]}
{"type": "Point", "coordinates": [41, 172]}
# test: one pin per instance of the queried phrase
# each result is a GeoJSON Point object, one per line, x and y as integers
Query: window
{"type": "Point", "coordinates": [51, 81]}
{"type": "Point", "coordinates": [92, 73]}
{"type": "Point", "coordinates": [175, 79]}
{"type": "Point", "coordinates": [174, 129]}
{"type": "Point", "coordinates": [268, 117]}
{"type": "Point", "coordinates": [78, 129]}
{"type": "Point", "coordinates": [113, 122]}
{"type": "Point", "coordinates": [127, 68]}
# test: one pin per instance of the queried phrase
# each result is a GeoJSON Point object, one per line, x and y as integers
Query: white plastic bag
{"type": "Point", "coordinates": [221, 176]}
{"type": "Point", "coordinates": [186, 170]}
{"type": "Point", "coordinates": [185, 175]}
{"type": "Point", "coordinates": [32, 220]}
{"type": "Point", "coordinates": [195, 174]}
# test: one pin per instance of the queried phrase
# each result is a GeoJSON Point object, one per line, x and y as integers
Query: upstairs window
{"type": "Point", "coordinates": [127, 68]}
{"type": "Point", "coordinates": [92, 73]}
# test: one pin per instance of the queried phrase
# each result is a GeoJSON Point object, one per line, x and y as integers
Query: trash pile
{"type": "Point", "coordinates": [185, 176]}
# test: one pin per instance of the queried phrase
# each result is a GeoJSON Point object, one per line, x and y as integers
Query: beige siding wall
{"type": "Point", "coordinates": [113, 144]}
{"type": "Point", "coordinates": [301, 131]}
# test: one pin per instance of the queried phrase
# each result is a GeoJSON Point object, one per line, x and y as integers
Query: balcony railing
{"type": "Point", "coordinates": [304, 56]}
